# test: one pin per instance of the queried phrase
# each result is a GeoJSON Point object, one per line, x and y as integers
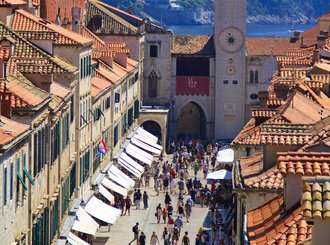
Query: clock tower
{"type": "Point", "coordinates": [229, 42]}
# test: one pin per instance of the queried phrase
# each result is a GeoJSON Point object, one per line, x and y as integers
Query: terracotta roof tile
{"type": "Point", "coordinates": [10, 130]}
{"type": "Point", "coordinates": [24, 21]}
{"type": "Point", "coordinates": [12, 2]}
{"type": "Point", "coordinates": [59, 90]}
{"type": "Point", "coordinates": [98, 85]}
{"type": "Point", "coordinates": [305, 163]}
{"type": "Point", "coordinates": [315, 201]}
{"type": "Point", "coordinates": [192, 44]}
{"type": "Point", "coordinates": [271, 224]}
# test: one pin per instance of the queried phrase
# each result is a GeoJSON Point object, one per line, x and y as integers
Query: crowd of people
{"type": "Point", "coordinates": [173, 179]}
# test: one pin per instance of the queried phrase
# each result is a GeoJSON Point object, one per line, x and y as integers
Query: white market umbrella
{"type": "Point", "coordinates": [219, 175]}
{"type": "Point", "coordinates": [225, 156]}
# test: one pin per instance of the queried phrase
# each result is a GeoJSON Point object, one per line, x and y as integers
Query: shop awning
{"type": "Point", "coordinates": [102, 211]}
{"type": "Point", "coordinates": [84, 227]}
{"type": "Point", "coordinates": [129, 168]}
{"type": "Point", "coordinates": [113, 169]}
{"type": "Point", "coordinates": [83, 216]}
{"type": "Point", "coordinates": [138, 156]}
{"type": "Point", "coordinates": [131, 162]}
{"type": "Point", "coordinates": [140, 151]}
{"type": "Point", "coordinates": [114, 187]}
{"type": "Point", "coordinates": [119, 180]}
{"type": "Point", "coordinates": [147, 134]}
{"type": "Point", "coordinates": [219, 175]}
{"type": "Point", "coordinates": [225, 156]}
{"type": "Point", "coordinates": [144, 146]}
{"type": "Point", "coordinates": [75, 240]}
{"type": "Point", "coordinates": [106, 194]}
{"type": "Point", "coordinates": [148, 141]}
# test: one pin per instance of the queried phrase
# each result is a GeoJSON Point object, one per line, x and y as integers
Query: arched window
{"type": "Point", "coordinates": [153, 84]}
{"type": "Point", "coordinates": [256, 77]}
{"type": "Point", "coordinates": [251, 77]}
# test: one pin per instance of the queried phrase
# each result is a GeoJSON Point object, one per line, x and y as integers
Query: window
{"type": "Point", "coordinates": [136, 108]}
{"type": "Point", "coordinates": [235, 82]}
{"type": "Point", "coordinates": [153, 51]}
{"type": "Point", "coordinates": [115, 136]}
{"type": "Point", "coordinates": [5, 187]}
{"type": "Point", "coordinates": [84, 167]}
{"type": "Point", "coordinates": [253, 96]}
{"type": "Point", "coordinates": [136, 76]}
{"type": "Point", "coordinates": [153, 84]}
{"type": "Point", "coordinates": [81, 68]}
{"type": "Point", "coordinates": [124, 125]}
{"type": "Point", "coordinates": [251, 77]}
{"type": "Point", "coordinates": [39, 151]}
{"type": "Point", "coordinates": [72, 179]}
{"type": "Point", "coordinates": [130, 118]}
{"type": "Point", "coordinates": [117, 97]}
{"type": "Point", "coordinates": [55, 141]}
{"type": "Point", "coordinates": [193, 67]}
{"type": "Point", "coordinates": [107, 103]}
{"type": "Point", "coordinates": [11, 180]}
{"type": "Point", "coordinates": [256, 77]}
{"type": "Point", "coordinates": [225, 81]}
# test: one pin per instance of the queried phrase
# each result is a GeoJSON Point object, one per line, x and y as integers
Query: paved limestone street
{"type": "Point", "coordinates": [121, 232]}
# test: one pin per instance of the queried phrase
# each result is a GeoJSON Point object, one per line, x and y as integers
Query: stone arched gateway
{"type": "Point", "coordinates": [191, 121]}
{"type": "Point", "coordinates": [153, 127]}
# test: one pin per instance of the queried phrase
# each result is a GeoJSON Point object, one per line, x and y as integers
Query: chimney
{"type": "Point", "coordinates": [121, 59]}
{"type": "Point", "coordinates": [130, 9]}
{"type": "Point", "coordinates": [296, 35]}
{"type": "Point", "coordinates": [263, 96]}
{"type": "Point", "coordinates": [76, 15]}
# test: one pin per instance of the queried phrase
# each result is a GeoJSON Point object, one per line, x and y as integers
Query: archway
{"type": "Point", "coordinates": [192, 121]}
{"type": "Point", "coordinates": [153, 128]}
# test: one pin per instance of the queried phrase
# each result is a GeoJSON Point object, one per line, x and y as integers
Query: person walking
{"type": "Point", "coordinates": [167, 199]}
{"type": "Point", "coordinates": [164, 214]}
{"type": "Point", "coordinates": [142, 239]}
{"type": "Point", "coordinates": [154, 239]}
{"type": "Point", "coordinates": [136, 231]}
{"type": "Point", "coordinates": [185, 239]}
{"type": "Point", "coordinates": [188, 209]}
{"type": "Point", "coordinates": [138, 199]}
{"type": "Point", "coordinates": [157, 185]}
{"type": "Point", "coordinates": [128, 204]}
{"type": "Point", "coordinates": [145, 200]}
{"type": "Point", "coordinates": [175, 235]}
{"type": "Point", "coordinates": [179, 224]}
{"type": "Point", "coordinates": [181, 211]}
{"type": "Point", "coordinates": [166, 236]}
{"type": "Point", "coordinates": [159, 212]}
{"type": "Point", "coordinates": [196, 168]}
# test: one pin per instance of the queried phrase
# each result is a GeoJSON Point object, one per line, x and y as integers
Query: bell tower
{"type": "Point", "coordinates": [229, 37]}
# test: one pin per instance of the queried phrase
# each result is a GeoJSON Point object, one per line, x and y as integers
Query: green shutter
{"type": "Point", "coordinates": [21, 180]}
{"type": "Point", "coordinates": [11, 180]}
{"type": "Point", "coordinates": [26, 173]}
{"type": "Point", "coordinates": [5, 187]}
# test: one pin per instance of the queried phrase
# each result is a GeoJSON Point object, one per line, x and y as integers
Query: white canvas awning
{"type": "Point", "coordinates": [75, 240]}
{"type": "Point", "coordinates": [140, 151]}
{"type": "Point", "coordinates": [147, 141]}
{"type": "Point", "coordinates": [138, 156]}
{"type": "Point", "coordinates": [84, 227]}
{"type": "Point", "coordinates": [83, 216]}
{"type": "Point", "coordinates": [147, 134]}
{"type": "Point", "coordinates": [225, 156]}
{"type": "Point", "coordinates": [131, 162]}
{"type": "Point", "coordinates": [119, 180]}
{"type": "Point", "coordinates": [102, 211]}
{"type": "Point", "coordinates": [219, 175]}
{"type": "Point", "coordinates": [134, 171]}
{"type": "Point", "coordinates": [113, 169]}
{"type": "Point", "coordinates": [106, 194]}
{"type": "Point", "coordinates": [114, 187]}
{"type": "Point", "coordinates": [146, 147]}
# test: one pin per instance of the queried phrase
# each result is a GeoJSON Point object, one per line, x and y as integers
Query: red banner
{"type": "Point", "coordinates": [186, 85]}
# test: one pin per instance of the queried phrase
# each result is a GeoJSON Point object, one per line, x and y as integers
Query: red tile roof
{"type": "Point", "coordinates": [254, 176]}
{"type": "Point", "coordinates": [99, 85]}
{"type": "Point", "coordinates": [12, 2]}
{"type": "Point", "coordinates": [192, 44]}
{"type": "Point", "coordinates": [25, 21]}
{"type": "Point", "coordinates": [305, 163]}
{"type": "Point", "coordinates": [271, 224]}
{"type": "Point", "coordinates": [10, 130]}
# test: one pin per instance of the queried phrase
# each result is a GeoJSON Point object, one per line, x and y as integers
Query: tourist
{"type": "Point", "coordinates": [170, 210]}
{"type": "Point", "coordinates": [135, 197]}
{"type": "Point", "coordinates": [154, 239]}
{"type": "Point", "coordinates": [205, 170]}
{"type": "Point", "coordinates": [181, 185]}
{"type": "Point", "coordinates": [170, 223]}
{"type": "Point", "coordinates": [135, 230]}
{"type": "Point", "coordinates": [181, 211]}
{"type": "Point", "coordinates": [166, 236]}
{"type": "Point", "coordinates": [188, 209]}
{"type": "Point", "coordinates": [197, 240]}
{"type": "Point", "coordinates": [185, 239]}
{"type": "Point", "coordinates": [164, 214]}
{"type": "Point", "coordinates": [145, 200]}
{"type": "Point", "coordinates": [138, 199]}
{"type": "Point", "coordinates": [178, 223]}
{"type": "Point", "coordinates": [158, 213]}
{"type": "Point", "coordinates": [128, 204]}
{"type": "Point", "coordinates": [157, 185]}
{"type": "Point", "coordinates": [172, 186]}
{"type": "Point", "coordinates": [193, 195]}
{"type": "Point", "coordinates": [175, 235]}
{"type": "Point", "coordinates": [142, 239]}
{"type": "Point", "coordinates": [167, 199]}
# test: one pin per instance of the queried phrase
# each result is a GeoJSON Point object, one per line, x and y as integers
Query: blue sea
{"type": "Point", "coordinates": [253, 30]}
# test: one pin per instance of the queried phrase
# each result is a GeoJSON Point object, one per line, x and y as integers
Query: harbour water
{"type": "Point", "coordinates": [253, 30]}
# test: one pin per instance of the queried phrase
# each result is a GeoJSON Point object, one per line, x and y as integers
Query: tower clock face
{"type": "Point", "coordinates": [231, 40]}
